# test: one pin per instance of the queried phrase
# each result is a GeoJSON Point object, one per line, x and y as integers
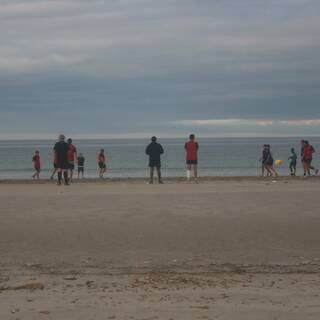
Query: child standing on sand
{"type": "Point", "coordinates": [293, 162]}
{"type": "Point", "coordinates": [80, 161]}
{"type": "Point", "coordinates": [36, 165]}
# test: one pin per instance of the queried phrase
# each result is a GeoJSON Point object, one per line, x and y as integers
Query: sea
{"type": "Point", "coordinates": [126, 158]}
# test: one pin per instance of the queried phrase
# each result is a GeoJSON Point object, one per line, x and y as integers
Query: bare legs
{"type": "Point", "coordinates": [36, 175]}
{"type": "Point", "coordinates": [65, 176]}
{"type": "Point", "coordinates": [71, 175]}
{"type": "Point", "coordinates": [53, 173]}
{"type": "Point", "coordinates": [101, 172]}
{"type": "Point", "coordinates": [306, 168]}
{"type": "Point", "coordinates": [269, 169]}
{"type": "Point", "coordinates": [310, 167]}
{"type": "Point", "coordinates": [194, 168]}
{"type": "Point", "coordinates": [80, 172]}
{"type": "Point", "coordinates": [293, 168]}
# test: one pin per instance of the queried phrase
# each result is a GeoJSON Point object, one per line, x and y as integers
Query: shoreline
{"type": "Point", "coordinates": [166, 179]}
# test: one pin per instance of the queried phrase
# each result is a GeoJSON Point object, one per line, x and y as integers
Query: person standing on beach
{"type": "Point", "coordinates": [72, 155]}
{"type": "Point", "coordinates": [293, 162]}
{"type": "Point", "coordinates": [306, 165]}
{"type": "Point", "coordinates": [301, 155]}
{"type": "Point", "coordinates": [80, 161]}
{"type": "Point", "coordinates": [267, 161]}
{"type": "Point", "coordinates": [102, 163]}
{"type": "Point", "coordinates": [61, 149]}
{"type": "Point", "coordinates": [191, 147]}
{"type": "Point", "coordinates": [307, 155]}
{"type": "Point", "coordinates": [154, 150]}
{"type": "Point", "coordinates": [264, 159]}
{"type": "Point", "coordinates": [36, 165]}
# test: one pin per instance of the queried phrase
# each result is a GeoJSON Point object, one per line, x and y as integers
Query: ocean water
{"type": "Point", "coordinates": [126, 158]}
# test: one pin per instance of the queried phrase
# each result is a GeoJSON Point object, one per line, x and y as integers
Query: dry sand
{"type": "Point", "coordinates": [222, 249]}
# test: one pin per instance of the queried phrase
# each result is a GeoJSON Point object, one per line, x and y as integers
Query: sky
{"type": "Point", "coordinates": [134, 68]}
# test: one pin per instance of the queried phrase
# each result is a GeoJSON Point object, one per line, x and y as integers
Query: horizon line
{"type": "Point", "coordinates": [159, 136]}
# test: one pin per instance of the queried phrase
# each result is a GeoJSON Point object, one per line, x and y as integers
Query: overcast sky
{"type": "Point", "coordinates": [131, 68]}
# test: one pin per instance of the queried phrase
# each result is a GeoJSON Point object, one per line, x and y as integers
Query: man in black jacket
{"type": "Point", "coordinates": [61, 150]}
{"type": "Point", "coordinates": [154, 150]}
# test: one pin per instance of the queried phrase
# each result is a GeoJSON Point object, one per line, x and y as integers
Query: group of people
{"type": "Point", "coordinates": [154, 150]}
{"type": "Point", "coordinates": [65, 157]}
{"type": "Point", "coordinates": [306, 154]}
{"type": "Point", "coordinates": [64, 161]}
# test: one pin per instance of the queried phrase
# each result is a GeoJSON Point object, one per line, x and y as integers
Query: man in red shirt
{"type": "Point", "coordinates": [191, 148]}
{"type": "Point", "coordinates": [36, 164]}
{"type": "Point", "coordinates": [72, 155]}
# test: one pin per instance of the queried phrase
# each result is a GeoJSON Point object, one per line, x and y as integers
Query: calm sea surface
{"type": "Point", "coordinates": [126, 158]}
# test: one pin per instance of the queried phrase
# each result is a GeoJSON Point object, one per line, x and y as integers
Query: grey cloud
{"type": "Point", "coordinates": [130, 62]}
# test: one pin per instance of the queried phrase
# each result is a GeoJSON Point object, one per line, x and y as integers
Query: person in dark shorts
{"type": "Point", "coordinates": [191, 147]}
{"type": "Point", "coordinates": [102, 163]}
{"type": "Point", "coordinates": [267, 161]}
{"type": "Point", "coordinates": [72, 155]}
{"type": "Point", "coordinates": [61, 149]}
{"type": "Point", "coordinates": [80, 161]}
{"type": "Point", "coordinates": [154, 150]}
{"type": "Point", "coordinates": [293, 162]}
{"type": "Point", "coordinates": [264, 159]}
{"type": "Point", "coordinates": [270, 161]}
{"type": "Point", "coordinates": [36, 165]}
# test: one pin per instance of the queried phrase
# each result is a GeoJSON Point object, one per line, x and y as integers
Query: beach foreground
{"type": "Point", "coordinates": [235, 249]}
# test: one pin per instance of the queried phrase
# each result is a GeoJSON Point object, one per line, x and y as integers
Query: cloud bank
{"type": "Point", "coordinates": [123, 67]}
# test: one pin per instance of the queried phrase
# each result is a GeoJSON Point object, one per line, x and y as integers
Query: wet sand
{"type": "Point", "coordinates": [223, 249]}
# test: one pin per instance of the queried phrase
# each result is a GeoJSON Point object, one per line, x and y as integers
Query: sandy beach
{"type": "Point", "coordinates": [235, 248]}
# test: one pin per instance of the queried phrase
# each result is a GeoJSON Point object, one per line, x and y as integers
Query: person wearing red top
{"type": "Point", "coordinates": [306, 158]}
{"type": "Point", "coordinates": [36, 165]}
{"type": "Point", "coordinates": [72, 155]}
{"type": "Point", "coordinates": [102, 163]}
{"type": "Point", "coordinates": [191, 147]}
